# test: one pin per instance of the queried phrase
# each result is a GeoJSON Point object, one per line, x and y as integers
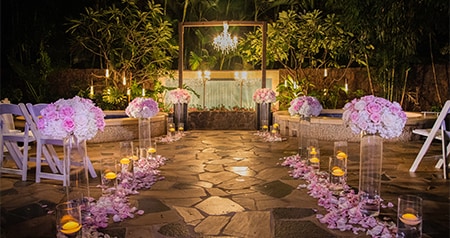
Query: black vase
{"type": "Point", "coordinates": [263, 115]}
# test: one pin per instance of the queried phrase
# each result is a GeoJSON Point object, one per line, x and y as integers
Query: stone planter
{"type": "Point", "coordinates": [215, 120]}
{"type": "Point", "coordinates": [119, 127]}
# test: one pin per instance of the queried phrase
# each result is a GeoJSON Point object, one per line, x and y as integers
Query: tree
{"type": "Point", "coordinates": [129, 40]}
{"type": "Point", "coordinates": [310, 40]}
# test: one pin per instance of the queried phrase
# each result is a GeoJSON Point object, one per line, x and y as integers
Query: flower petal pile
{"type": "Point", "coordinates": [305, 106]}
{"type": "Point", "coordinates": [117, 205]}
{"type": "Point", "coordinates": [179, 95]}
{"type": "Point", "coordinates": [374, 115]}
{"type": "Point", "coordinates": [77, 116]}
{"type": "Point", "coordinates": [342, 212]}
{"type": "Point", "coordinates": [264, 95]}
{"type": "Point", "coordinates": [142, 108]}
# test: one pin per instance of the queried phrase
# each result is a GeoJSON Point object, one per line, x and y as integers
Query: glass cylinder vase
{"type": "Point", "coordinates": [263, 116]}
{"type": "Point", "coordinates": [145, 137]}
{"type": "Point", "coordinates": [75, 152]}
{"type": "Point", "coordinates": [303, 134]}
{"type": "Point", "coordinates": [180, 115]}
{"type": "Point", "coordinates": [371, 157]}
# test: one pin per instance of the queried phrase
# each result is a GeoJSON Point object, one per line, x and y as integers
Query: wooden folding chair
{"type": "Point", "coordinates": [440, 132]}
{"type": "Point", "coordinates": [10, 140]}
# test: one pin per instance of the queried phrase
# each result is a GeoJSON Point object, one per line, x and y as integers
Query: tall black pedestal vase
{"type": "Point", "coordinates": [263, 115]}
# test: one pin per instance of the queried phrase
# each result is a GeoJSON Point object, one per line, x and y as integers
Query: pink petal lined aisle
{"type": "Point", "coordinates": [116, 206]}
{"type": "Point", "coordinates": [342, 212]}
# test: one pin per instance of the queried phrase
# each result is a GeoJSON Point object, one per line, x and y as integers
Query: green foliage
{"type": "Point", "coordinates": [127, 39]}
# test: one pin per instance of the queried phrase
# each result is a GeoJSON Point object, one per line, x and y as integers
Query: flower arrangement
{"type": "Point", "coordinates": [374, 115]}
{"type": "Point", "coordinates": [179, 95]}
{"type": "Point", "coordinates": [264, 95]}
{"type": "Point", "coordinates": [142, 108]}
{"type": "Point", "coordinates": [77, 116]}
{"type": "Point", "coordinates": [305, 106]}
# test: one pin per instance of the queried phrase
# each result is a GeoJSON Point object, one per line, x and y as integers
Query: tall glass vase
{"type": "Point", "coordinates": [371, 157]}
{"type": "Point", "coordinates": [263, 116]}
{"type": "Point", "coordinates": [303, 134]}
{"type": "Point", "coordinates": [145, 137]}
{"type": "Point", "coordinates": [180, 115]}
{"type": "Point", "coordinates": [75, 152]}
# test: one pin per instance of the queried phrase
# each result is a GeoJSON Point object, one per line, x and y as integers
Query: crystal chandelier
{"type": "Point", "coordinates": [224, 42]}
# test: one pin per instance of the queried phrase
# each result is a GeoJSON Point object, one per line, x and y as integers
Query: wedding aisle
{"type": "Point", "coordinates": [229, 184]}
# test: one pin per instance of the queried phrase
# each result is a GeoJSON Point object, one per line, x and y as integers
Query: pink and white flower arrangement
{"type": "Point", "coordinates": [374, 115]}
{"type": "Point", "coordinates": [142, 108]}
{"type": "Point", "coordinates": [264, 95]}
{"type": "Point", "coordinates": [179, 95]}
{"type": "Point", "coordinates": [77, 116]}
{"type": "Point", "coordinates": [305, 106]}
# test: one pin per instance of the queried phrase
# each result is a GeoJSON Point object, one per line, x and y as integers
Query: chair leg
{"type": "Point", "coordinates": [38, 162]}
{"type": "Point", "coordinates": [24, 169]}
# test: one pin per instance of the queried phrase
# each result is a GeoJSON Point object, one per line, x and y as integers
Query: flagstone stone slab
{"type": "Point", "coordinates": [239, 183]}
{"type": "Point", "coordinates": [275, 189]}
{"type": "Point", "coordinates": [212, 225]}
{"type": "Point", "coordinates": [294, 229]}
{"type": "Point", "coordinates": [254, 224]}
{"type": "Point", "coordinates": [216, 178]}
{"type": "Point", "coordinates": [216, 192]}
{"type": "Point", "coordinates": [182, 202]}
{"type": "Point", "coordinates": [189, 214]}
{"type": "Point", "coordinates": [219, 206]}
{"type": "Point", "coordinates": [214, 168]}
{"type": "Point", "coordinates": [174, 193]}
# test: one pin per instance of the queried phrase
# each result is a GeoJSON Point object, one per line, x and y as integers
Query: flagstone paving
{"type": "Point", "coordinates": [230, 184]}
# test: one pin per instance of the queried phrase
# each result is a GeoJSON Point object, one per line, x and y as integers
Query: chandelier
{"type": "Point", "coordinates": [224, 42]}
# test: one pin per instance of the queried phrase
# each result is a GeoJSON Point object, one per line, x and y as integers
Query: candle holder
{"type": "Point", "coordinates": [409, 216]}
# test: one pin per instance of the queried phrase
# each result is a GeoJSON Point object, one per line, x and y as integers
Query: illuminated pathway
{"type": "Point", "coordinates": [230, 184]}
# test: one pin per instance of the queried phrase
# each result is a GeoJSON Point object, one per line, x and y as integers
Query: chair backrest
{"type": "Point", "coordinates": [7, 119]}
{"type": "Point", "coordinates": [7, 112]}
{"type": "Point", "coordinates": [32, 112]}
{"type": "Point", "coordinates": [35, 110]}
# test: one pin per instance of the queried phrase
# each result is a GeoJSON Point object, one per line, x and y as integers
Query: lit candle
{"type": "Point", "coordinates": [325, 73]}
{"type": "Point", "coordinates": [92, 90]}
{"type": "Point", "coordinates": [124, 81]}
{"type": "Point", "coordinates": [128, 91]}
{"type": "Point", "coordinates": [143, 91]}
{"type": "Point", "coordinates": [107, 73]}
{"type": "Point", "coordinates": [285, 83]}
{"type": "Point", "coordinates": [346, 86]}
{"type": "Point", "coordinates": [207, 74]}
{"type": "Point", "coordinates": [244, 75]}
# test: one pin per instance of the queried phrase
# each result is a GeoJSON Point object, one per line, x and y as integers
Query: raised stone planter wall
{"type": "Point", "coordinates": [123, 129]}
{"type": "Point", "coordinates": [212, 120]}
{"type": "Point", "coordinates": [333, 128]}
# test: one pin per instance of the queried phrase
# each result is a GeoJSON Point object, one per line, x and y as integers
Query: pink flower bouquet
{"type": "Point", "coordinates": [77, 116]}
{"type": "Point", "coordinates": [179, 95]}
{"type": "Point", "coordinates": [305, 106]}
{"type": "Point", "coordinates": [142, 108]}
{"type": "Point", "coordinates": [264, 95]}
{"type": "Point", "coordinates": [374, 115]}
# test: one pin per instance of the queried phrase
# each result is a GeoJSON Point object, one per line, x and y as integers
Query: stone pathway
{"type": "Point", "coordinates": [230, 184]}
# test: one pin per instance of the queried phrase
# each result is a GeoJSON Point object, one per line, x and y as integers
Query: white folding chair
{"type": "Point", "coordinates": [438, 132]}
{"type": "Point", "coordinates": [45, 150]}
{"type": "Point", "coordinates": [10, 140]}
